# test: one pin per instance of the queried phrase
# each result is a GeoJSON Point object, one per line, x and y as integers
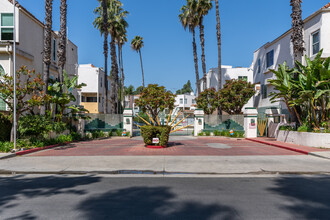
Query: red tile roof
{"type": "Point", "coordinates": [327, 5]}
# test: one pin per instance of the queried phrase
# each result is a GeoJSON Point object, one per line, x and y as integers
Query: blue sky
{"type": "Point", "coordinates": [167, 55]}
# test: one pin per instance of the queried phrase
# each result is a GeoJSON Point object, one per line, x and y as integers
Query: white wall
{"type": "Point", "coordinates": [189, 99]}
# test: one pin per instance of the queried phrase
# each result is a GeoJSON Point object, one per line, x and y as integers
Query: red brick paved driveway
{"type": "Point", "coordinates": [179, 146]}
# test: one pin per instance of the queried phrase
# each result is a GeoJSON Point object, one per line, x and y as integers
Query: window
{"type": "Point", "coordinates": [54, 49]}
{"type": "Point", "coordinates": [316, 42]}
{"type": "Point", "coordinates": [193, 101]}
{"type": "Point", "coordinates": [245, 78]}
{"type": "Point", "coordinates": [181, 101]}
{"type": "Point", "coordinates": [7, 26]}
{"type": "Point", "coordinates": [185, 101]}
{"type": "Point", "coordinates": [2, 71]}
{"type": "Point", "coordinates": [91, 99]}
{"type": "Point", "coordinates": [259, 66]}
{"type": "Point", "coordinates": [2, 105]}
{"type": "Point", "coordinates": [264, 91]}
{"type": "Point", "coordinates": [83, 99]}
{"type": "Point", "coordinates": [270, 58]}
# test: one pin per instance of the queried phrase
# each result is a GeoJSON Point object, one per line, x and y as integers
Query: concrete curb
{"type": "Point", "coordinates": [24, 152]}
{"type": "Point", "coordinates": [280, 146]}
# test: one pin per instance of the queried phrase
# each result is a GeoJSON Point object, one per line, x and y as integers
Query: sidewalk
{"type": "Point", "coordinates": [319, 152]}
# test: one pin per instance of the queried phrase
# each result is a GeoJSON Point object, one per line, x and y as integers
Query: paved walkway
{"type": "Point", "coordinates": [178, 146]}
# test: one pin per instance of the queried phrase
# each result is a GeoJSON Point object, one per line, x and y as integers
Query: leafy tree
{"type": "Point", "coordinates": [29, 91]}
{"type": "Point", "coordinates": [185, 89]}
{"type": "Point", "coordinates": [189, 19]}
{"type": "Point", "coordinates": [154, 99]}
{"type": "Point", "coordinates": [129, 90]}
{"type": "Point", "coordinates": [137, 44]}
{"type": "Point", "coordinates": [208, 100]}
{"type": "Point", "coordinates": [234, 95]}
{"type": "Point", "coordinates": [138, 90]}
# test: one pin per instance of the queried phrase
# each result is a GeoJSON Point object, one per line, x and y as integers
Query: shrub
{"type": "Point", "coordinates": [216, 133]}
{"type": "Point", "coordinates": [207, 133]}
{"type": "Point", "coordinates": [5, 126]}
{"type": "Point", "coordinates": [149, 132]}
{"type": "Point", "coordinates": [6, 147]}
{"type": "Point", "coordinates": [201, 134]}
{"type": "Point", "coordinates": [119, 133]}
{"type": "Point", "coordinates": [304, 128]}
{"type": "Point", "coordinates": [286, 128]}
{"type": "Point", "coordinates": [38, 126]}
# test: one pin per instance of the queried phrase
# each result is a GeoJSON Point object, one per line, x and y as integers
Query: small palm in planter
{"type": "Point", "coordinates": [153, 100]}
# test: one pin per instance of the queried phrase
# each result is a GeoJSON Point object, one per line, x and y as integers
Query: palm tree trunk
{"type": "Point", "coordinates": [122, 73]}
{"type": "Point", "coordinates": [297, 30]}
{"type": "Point", "coordinates": [142, 68]}
{"type": "Point", "coordinates": [105, 51]}
{"type": "Point", "coordinates": [202, 39]}
{"type": "Point", "coordinates": [114, 77]}
{"type": "Point", "coordinates": [196, 62]}
{"type": "Point", "coordinates": [120, 79]}
{"type": "Point", "coordinates": [63, 39]}
{"type": "Point", "coordinates": [47, 46]}
{"type": "Point", "coordinates": [219, 43]}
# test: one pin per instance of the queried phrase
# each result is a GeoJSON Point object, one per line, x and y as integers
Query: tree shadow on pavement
{"type": "Point", "coordinates": [13, 188]}
{"type": "Point", "coordinates": [308, 198]}
{"type": "Point", "coordinates": [150, 203]}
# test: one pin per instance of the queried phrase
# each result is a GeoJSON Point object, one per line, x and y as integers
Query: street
{"type": "Point", "coordinates": [104, 197]}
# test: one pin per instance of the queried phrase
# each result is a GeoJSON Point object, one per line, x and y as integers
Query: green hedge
{"type": "Point", "coordinates": [149, 132]}
{"type": "Point", "coordinates": [5, 127]}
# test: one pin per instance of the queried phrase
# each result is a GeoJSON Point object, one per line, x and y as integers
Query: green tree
{"type": "Point", "coordinates": [115, 14]}
{"type": "Point", "coordinates": [154, 99]}
{"type": "Point", "coordinates": [208, 100]}
{"type": "Point", "coordinates": [129, 90]}
{"type": "Point", "coordinates": [61, 95]}
{"type": "Point", "coordinates": [189, 19]}
{"type": "Point", "coordinates": [29, 91]}
{"type": "Point", "coordinates": [234, 95]}
{"type": "Point", "coordinates": [186, 89]}
{"type": "Point", "coordinates": [138, 90]}
{"type": "Point", "coordinates": [137, 44]}
{"type": "Point", "coordinates": [203, 8]}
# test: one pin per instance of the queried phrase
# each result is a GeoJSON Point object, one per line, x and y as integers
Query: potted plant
{"type": "Point", "coordinates": [153, 100]}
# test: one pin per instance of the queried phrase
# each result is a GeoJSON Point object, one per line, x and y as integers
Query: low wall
{"type": "Point", "coordinates": [305, 138]}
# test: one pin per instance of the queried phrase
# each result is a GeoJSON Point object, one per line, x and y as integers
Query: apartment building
{"type": "Point", "coordinates": [316, 36]}
{"type": "Point", "coordinates": [92, 96]}
{"type": "Point", "coordinates": [29, 44]}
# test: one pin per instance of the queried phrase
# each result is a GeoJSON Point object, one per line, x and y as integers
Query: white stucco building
{"type": "Point", "coordinates": [29, 43]}
{"type": "Point", "coordinates": [185, 101]}
{"type": "Point", "coordinates": [92, 96]}
{"type": "Point", "coordinates": [269, 56]}
{"type": "Point", "coordinates": [228, 73]}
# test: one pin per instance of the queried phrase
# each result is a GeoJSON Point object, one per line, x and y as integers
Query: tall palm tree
{"type": "Point", "coordinates": [297, 37]}
{"type": "Point", "coordinates": [115, 12]}
{"type": "Point", "coordinates": [219, 42]}
{"type": "Point", "coordinates": [103, 28]}
{"type": "Point", "coordinates": [189, 19]}
{"type": "Point", "coordinates": [47, 44]}
{"type": "Point", "coordinates": [203, 8]}
{"type": "Point", "coordinates": [63, 39]}
{"type": "Point", "coordinates": [137, 44]}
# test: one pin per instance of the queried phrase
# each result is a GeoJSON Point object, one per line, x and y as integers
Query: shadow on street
{"type": "Point", "coordinates": [150, 203]}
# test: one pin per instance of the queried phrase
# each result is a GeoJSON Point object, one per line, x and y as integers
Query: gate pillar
{"type": "Point", "coordinates": [128, 120]}
{"type": "Point", "coordinates": [250, 122]}
{"type": "Point", "coordinates": [199, 121]}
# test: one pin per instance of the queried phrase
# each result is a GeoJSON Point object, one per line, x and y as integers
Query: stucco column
{"type": "Point", "coordinates": [128, 120]}
{"type": "Point", "coordinates": [250, 122]}
{"type": "Point", "coordinates": [199, 121]}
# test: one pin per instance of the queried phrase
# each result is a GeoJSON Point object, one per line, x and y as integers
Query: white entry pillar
{"type": "Point", "coordinates": [128, 120]}
{"type": "Point", "coordinates": [199, 121]}
{"type": "Point", "coordinates": [250, 122]}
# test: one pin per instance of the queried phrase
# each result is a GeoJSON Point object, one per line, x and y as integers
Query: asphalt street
{"type": "Point", "coordinates": [105, 197]}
